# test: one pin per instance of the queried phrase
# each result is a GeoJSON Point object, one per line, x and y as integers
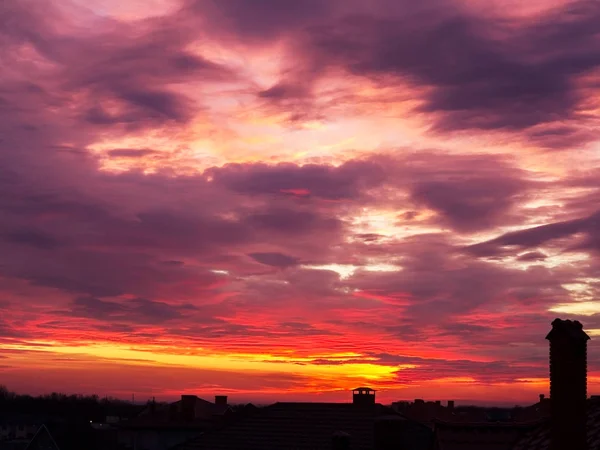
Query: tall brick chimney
{"type": "Point", "coordinates": [568, 385]}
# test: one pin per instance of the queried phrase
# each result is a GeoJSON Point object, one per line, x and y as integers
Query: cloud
{"type": "Point", "coordinates": [33, 238]}
{"type": "Point", "coordinates": [274, 259]}
{"type": "Point", "coordinates": [468, 72]}
{"type": "Point", "coordinates": [474, 203]}
{"type": "Point", "coordinates": [259, 20]}
{"type": "Point", "coordinates": [537, 236]}
{"type": "Point", "coordinates": [347, 181]}
{"type": "Point", "coordinates": [136, 310]}
{"type": "Point", "coordinates": [119, 75]}
{"type": "Point", "coordinates": [131, 152]}
{"type": "Point", "coordinates": [127, 220]}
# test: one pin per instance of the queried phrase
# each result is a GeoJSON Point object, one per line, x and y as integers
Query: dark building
{"type": "Point", "coordinates": [568, 385]}
{"type": "Point", "coordinates": [160, 427]}
{"type": "Point", "coordinates": [360, 425]}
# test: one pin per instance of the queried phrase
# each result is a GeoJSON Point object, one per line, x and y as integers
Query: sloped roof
{"type": "Point", "coordinates": [539, 438]}
{"type": "Point", "coordinates": [42, 440]}
{"type": "Point", "coordinates": [301, 426]}
{"type": "Point", "coordinates": [67, 436]}
{"type": "Point", "coordinates": [170, 415]}
{"type": "Point", "coordinates": [479, 436]}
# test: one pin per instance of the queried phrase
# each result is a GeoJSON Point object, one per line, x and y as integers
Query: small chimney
{"type": "Point", "coordinates": [188, 407]}
{"type": "Point", "coordinates": [363, 396]}
{"type": "Point", "coordinates": [568, 385]}
{"type": "Point", "coordinates": [542, 396]}
{"type": "Point", "coordinates": [438, 403]}
{"type": "Point", "coordinates": [220, 400]}
{"type": "Point", "coordinates": [450, 404]}
{"type": "Point", "coordinates": [340, 441]}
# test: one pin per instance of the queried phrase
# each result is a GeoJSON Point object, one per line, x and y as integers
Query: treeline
{"type": "Point", "coordinates": [71, 407]}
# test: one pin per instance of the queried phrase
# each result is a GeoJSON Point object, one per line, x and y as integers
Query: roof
{"type": "Point", "coordinates": [171, 415]}
{"type": "Point", "coordinates": [303, 426]}
{"type": "Point", "coordinates": [479, 436]}
{"type": "Point", "coordinates": [539, 438]}
{"type": "Point", "coordinates": [42, 440]}
{"type": "Point", "coordinates": [67, 436]}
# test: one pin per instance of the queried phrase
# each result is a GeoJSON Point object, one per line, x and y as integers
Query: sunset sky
{"type": "Point", "coordinates": [283, 200]}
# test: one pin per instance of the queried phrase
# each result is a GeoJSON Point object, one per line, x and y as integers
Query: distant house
{"type": "Point", "coordinates": [43, 440]}
{"type": "Point", "coordinates": [15, 426]}
{"type": "Point", "coordinates": [540, 437]}
{"type": "Point", "coordinates": [479, 436]}
{"type": "Point", "coordinates": [70, 436]}
{"type": "Point", "coordinates": [160, 427]}
{"type": "Point", "coordinates": [360, 425]}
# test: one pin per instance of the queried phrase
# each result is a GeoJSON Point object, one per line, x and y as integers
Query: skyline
{"type": "Point", "coordinates": [274, 200]}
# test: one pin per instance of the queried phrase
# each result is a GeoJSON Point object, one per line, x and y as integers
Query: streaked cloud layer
{"type": "Point", "coordinates": [278, 199]}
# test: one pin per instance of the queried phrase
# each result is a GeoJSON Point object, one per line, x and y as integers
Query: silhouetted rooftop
{"type": "Point", "coordinates": [304, 426]}
{"type": "Point", "coordinates": [539, 438]}
{"type": "Point", "coordinates": [479, 436]}
{"type": "Point", "coordinates": [171, 415]}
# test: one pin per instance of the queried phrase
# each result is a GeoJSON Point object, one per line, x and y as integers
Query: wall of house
{"type": "Point", "coordinates": [17, 431]}
{"type": "Point", "coordinates": [154, 439]}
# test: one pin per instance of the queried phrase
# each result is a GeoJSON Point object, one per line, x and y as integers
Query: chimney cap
{"type": "Point", "coordinates": [572, 329]}
{"type": "Point", "coordinates": [363, 389]}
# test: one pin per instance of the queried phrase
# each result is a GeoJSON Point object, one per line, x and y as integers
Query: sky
{"type": "Point", "coordinates": [279, 200]}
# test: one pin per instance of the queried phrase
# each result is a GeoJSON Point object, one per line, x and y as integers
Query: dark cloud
{"type": "Point", "coordinates": [348, 181]}
{"type": "Point", "coordinates": [33, 238]}
{"type": "Point", "coordinates": [10, 332]}
{"type": "Point", "coordinates": [534, 237]}
{"type": "Point", "coordinates": [470, 204]}
{"type": "Point", "coordinates": [122, 73]}
{"type": "Point", "coordinates": [291, 221]}
{"type": "Point", "coordinates": [532, 256]}
{"type": "Point", "coordinates": [478, 73]}
{"type": "Point", "coordinates": [274, 259]}
{"type": "Point", "coordinates": [137, 310]}
{"type": "Point", "coordinates": [258, 20]}
{"type": "Point", "coordinates": [481, 372]}
{"type": "Point", "coordinates": [132, 152]}
{"type": "Point", "coordinates": [459, 285]}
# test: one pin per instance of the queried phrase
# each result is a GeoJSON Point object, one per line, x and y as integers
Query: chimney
{"type": "Point", "coordinates": [542, 396]}
{"type": "Point", "coordinates": [188, 407]}
{"type": "Point", "coordinates": [568, 385]}
{"type": "Point", "coordinates": [340, 441]}
{"type": "Point", "coordinates": [450, 404]}
{"type": "Point", "coordinates": [363, 396]}
{"type": "Point", "coordinates": [220, 400]}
